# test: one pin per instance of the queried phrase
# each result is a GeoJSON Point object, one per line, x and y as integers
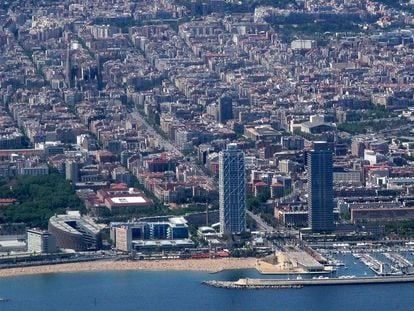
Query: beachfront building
{"type": "Point", "coordinates": [39, 241]}
{"type": "Point", "coordinates": [232, 190]}
{"type": "Point", "coordinates": [320, 188]}
{"type": "Point", "coordinates": [73, 231]}
{"type": "Point", "coordinates": [126, 235]}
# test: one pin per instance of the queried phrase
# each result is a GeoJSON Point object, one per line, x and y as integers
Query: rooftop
{"type": "Point", "coordinates": [62, 222]}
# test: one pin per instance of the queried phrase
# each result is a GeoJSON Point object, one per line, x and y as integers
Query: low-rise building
{"type": "Point", "coordinates": [264, 132]}
{"type": "Point", "coordinates": [39, 241]}
{"type": "Point", "coordinates": [124, 235]}
{"type": "Point", "coordinates": [120, 199]}
{"type": "Point", "coordinates": [73, 231]}
{"type": "Point", "coordinates": [381, 214]}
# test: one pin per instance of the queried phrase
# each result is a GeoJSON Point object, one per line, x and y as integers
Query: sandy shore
{"type": "Point", "coordinates": [207, 265]}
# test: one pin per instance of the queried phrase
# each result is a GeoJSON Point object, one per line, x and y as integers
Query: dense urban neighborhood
{"type": "Point", "coordinates": [172, 129]}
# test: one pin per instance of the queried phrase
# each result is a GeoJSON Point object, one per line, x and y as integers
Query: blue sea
{"type": "Point", "coordinates": [177, 290]}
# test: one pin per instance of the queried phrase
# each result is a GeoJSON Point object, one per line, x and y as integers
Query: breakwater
{"type": "Point", "coordinates": [247, 283]}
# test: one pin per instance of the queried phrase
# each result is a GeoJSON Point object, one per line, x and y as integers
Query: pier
{"type": "Point", "coordinates": [384, 269]}
{"type": "Point", "coordinates": [374, 264]}
{"type": "Point", "coordinates": [399, 260]}
{"type": "Point", "coordinates": [247, 283]}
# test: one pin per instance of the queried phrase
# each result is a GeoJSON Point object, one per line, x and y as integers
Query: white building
{"type": "Point", "coordinates": [373, 157]}
{"type": "Point", "coordinates": [303, 44]}
{"type": "Point", "coordinates": [40, 242]}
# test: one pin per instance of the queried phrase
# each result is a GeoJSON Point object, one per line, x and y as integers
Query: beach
{"type": "Point", "coordinates": [206, 265]}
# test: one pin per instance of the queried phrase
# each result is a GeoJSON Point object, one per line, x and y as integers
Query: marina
{"type": "Point", "coordinates": [399, 260]}
{"type": "Point", "coordinates": [374, 264]}
{"type": "Point", "coordinates": [395, 264]}
{"type": "Point", "coordinates": [360, 264]}
{"type": "Point", "coordinates": [380, 259]}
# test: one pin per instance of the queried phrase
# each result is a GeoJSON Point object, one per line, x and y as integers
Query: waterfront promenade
{"type": "Point", "coordinates": [206, 265]}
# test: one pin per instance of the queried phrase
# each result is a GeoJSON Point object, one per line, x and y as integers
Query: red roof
{"type": "Point", "coordinates": [277, 185]}
{"type": "Point", "coordinates": [2, 201]}
{"type": "Point", "coordinates": [120, 186]}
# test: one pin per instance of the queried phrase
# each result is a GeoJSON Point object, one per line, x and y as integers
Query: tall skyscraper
{"type": "Point", "coordinates": [68, 65]}
{"type": "Point", "coordinates": [232, 190]}
{"type": "Point", "coordinates": [320, 188]}
{"type": "Point", "coordinates": [225, 109]}
{"type": "Point", "coordinates": [72, 171]}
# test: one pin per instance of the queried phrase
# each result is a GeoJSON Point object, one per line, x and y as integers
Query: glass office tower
{"type": "Point", "coordinates": [320, 188]}
{"type": "Point", "coordinates": [232, 190]}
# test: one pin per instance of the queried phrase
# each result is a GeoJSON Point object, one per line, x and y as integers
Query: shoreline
{"type": "Point", "coordinates": [202, 265]}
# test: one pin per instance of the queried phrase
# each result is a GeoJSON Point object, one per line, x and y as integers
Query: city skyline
{"type": "Point", "coordinates": [206, 135]}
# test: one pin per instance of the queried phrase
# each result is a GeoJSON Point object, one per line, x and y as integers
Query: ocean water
{"type": "Point", "coordinates": [178, 290]}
